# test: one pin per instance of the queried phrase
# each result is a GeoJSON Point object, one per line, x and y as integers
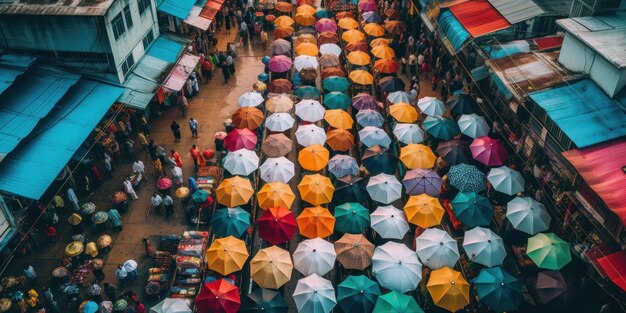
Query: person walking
{"type": "Point", "coordinates": [207, 70]}
{"type": "Point", "coordinates": [160, 151]}
{"type": "Point", "coordinates": [121, 274]}
{"type": "Point", "coordinates": [168, 204]}
{"type": "Point", "coordinates": [177, 175]}
{"type": "Point", "coordinates": [158, 167]}
{"type": "Point", "coordinates": [110, 290]}
{"type": "Point", "coordinates": [128, 187]}
{"type": "Point", "coordinates": [176, 156]}
{"type": "Point", "coordinates": [51, 303]}
{"type": "Point", "coordinates": [115, 218]}
{"type": "Point", "coordinates": [157, 202]}
{"type": "Point", "coordinates": [195, 154]}
{"type": "Point", "coordinates": [95, 292]}
{"type": "Point", "coordinates": [71, 196]}
{"type": "Point", "coordinates": [148, 247]}
{"type": "Point", "coordinates": [143, 140]}
{"type": "Point", "coordinates": [152, 149]}
{"type": "Point", "coordinates": [193, 126]}
{"type": "Point", "coordinates": [175, 130]}
{"type": "Point", "coordinates": [138, 167]}
{"type": "Point", "coordinates": [30, 274]}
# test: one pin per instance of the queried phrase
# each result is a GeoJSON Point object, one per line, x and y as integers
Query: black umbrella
{"type": "Point", "coordinates": [391, 84]}
{"type": "Point", "coordinates": [462, 104]}
{"type": "Point", "coordinates": [454, 151]}
{"type": "Point", "coordinates": [350, 189]}
{"type": "Point", "coordinates": [378, 160]}
{"type": "Point", "coordinates": [550, 285]}
{"type": "Point", "coordinates": [264, 300]}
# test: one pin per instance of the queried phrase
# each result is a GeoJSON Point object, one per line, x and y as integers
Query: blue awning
{"type": "Point", "coordinates": [498, 51]}
{"type": "Point", "coordinates": [452, 28]}
{"type": "Point", "coordinates": [32, 167]}
{"type": "Point", "coordinates": [584, 113]}
{"type": "Point", "coordinates": [178, 8]}
{"type": "Point", "coordinates": [12, 66]}
{"type": "Point", "coordinates": [27, 101]}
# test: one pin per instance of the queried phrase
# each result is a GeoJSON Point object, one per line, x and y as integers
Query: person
{"type": "Point", "coordinates": [138, 167]}
{"type": "Point", "coordinates": [30, 274]}
{"type": "Point", "coordinates": [152, 149]}
{"type": "Point", "coordinates": [168, 204]}
{"type": "Point", "coordinates": [128, 187]}
{"type": "Point", "coordinates": [96, 267]}
{"type": "Point", "coordinates": [143, 140]}
{"type": "Point", "coordinates": [243, 32]}
{"type": "Point", "coordinates": [231, 64]}
{"type": "Point", "coordinates": [160, 151]}
{"type": "Point", "coordinates": [115, 218]}
{"type": "Point", "coordinates": [52, 304]}
{"type": "Point", "coordinates": [158, 167]}
{"type": "Point", "coordinates": [225, 71]}
{"type": "Point", "coordinates": [264, 38]}
{"type": "Point", "coordinates": [32, 298]}
{"type": "Point", "coordinates": [195, 87]}
{"type": "Point", "coordinates": [177, 175]}
{"type": "Point", "coordinates": [71, 196]}
{"type": "Point", "coordinates": [193, 126]}
{"type": "Point", "coordinates": [58, 203]}
{"type": "Point", "coordinates": [414, 95]}
{"type": "Point", "coordinates": [195, 153]}
{"type": "Point", "coordinates": [175, 130]}
{"type": "Point", "coordinates": [156, 201]}
{"type": "Point", "coordinates": [110, 291]}
{"type": "Point", "coordinates": [183, 104]}
{"type": "Point", "coordinates": [95, 292]}
{"type": "Point", "coordinates": [176, 156]}
{"type": "Point", "coordinates": [51, 233]}
{"type": "Point", "coordinates": [121, 274]}
{"type": "Point", "coordinates": [207, 69]}
{"type": "Point", "coordinates": [148, 246]}
{"type": "Point", "coordinates": [129, 146]}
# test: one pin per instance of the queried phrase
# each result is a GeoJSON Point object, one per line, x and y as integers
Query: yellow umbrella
{"type": "Point", "coordinates": [305, 38]}
{"type": "Point", "coordinates": [403, 112]}
{"type": "Point", "coordinates": [383, 52]}
{"type": "Point", "coordinates": [226, 255]}
{"type": "Point", "coordinates": [275, 195]}
{"type": "Point", "coordinates": [234, 191]}
{"type": "Point", "coordinates": [359, 58]}
{"type": "Point", "coordinates": [284, 7]}
{"type": "Point", "coordinates": [278, 104]}
{"type": "Point", "coordinates": [74, 219]}
{"type": "Point", "coordinates": [316, 189]}
{"type": "Point", "coordinates": [74, 248]}
{"type": "Point", "coordinates": [348, 23]}
{"type": "Point", "coordinates": [307, 49]}
{"type": "Point", "coordinates": [338, 119]}
{"type": "Point", "coordinates": [305, 19]}
{"type": "Point", "coordinates": [313, 157]}
{"type": "Point", "coordinates": [271, 267]}
{"type": "Point", "coordinates": [283, 21]}
{"type": "Point", "coordinates": [352, 35]}
{"type": "Point", "coordinates": [374, 29]}
{"type": "Point", "coordinates": [283, 31]}
{"type": "Point", "coordinates": [316, 222]}
{"type": "Point", "coordinates": [379, 42]}
{"type": "Point", "coordinates": [306, 9]}
{"type": "Point", "coordinates": [182, 192]}
{"type": "Point", "coordinates": [361, 77]}
{"type": "Point", "coordinates": [448, 289]}
{"type": "Point", "coordinates": [417, 156]}
{"type": "Point", "coordinates": [423, 210]}
{"type": "Point", "coordinates": [91, 249]}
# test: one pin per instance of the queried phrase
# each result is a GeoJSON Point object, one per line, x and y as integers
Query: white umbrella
{"type": "Point", "coordinates": [389, 222]}
{"type": "Point", "coordinates": [130, 265]}
{"type": "Point", "coordinates": [506, 180]}
{"type": "Point", "coordinates": [251, 99]}
{"type": "Point", "coordinates": [407, 133]}
{"type": "Point", "coordinates": [311, 134]}
{"type": "Point", "coordinates": [431, 106]}
{"type": "Point", "coordinates": [484, 247]}
{"type": "Point", "coordinates": [473, 125]}
{"type": "Point", "coordinates": [169, 305]}
{"type": "Point", "coordinates": [398, 96]}
{"type": "Point", "coordinates": [384, 188]}
{"type": "Point", "coordinates": [437, 249]}
{"type": "Point", "coordinates": [277, 170]}
{"type": "Point", "coordinates": [396, 267]}
{"type": "Point", "coordinates": [330, 48]}
{"type": "Point", "coordinates": [314, 256]}
{"type": "Point", "coordinates": [310, 110]}
{"type": "Point", "coordinates": [279, 122]}
{"type": "Point", "coordinates": [371, 136]}
{"type": "Point", "coordinates": [303, 61]}
{"type": "Point", "coordinates": [528, 215]}
{"type": "Point", "coordinates": [314, 294]}
{"type": "Point", "coordinates": [241, 162]}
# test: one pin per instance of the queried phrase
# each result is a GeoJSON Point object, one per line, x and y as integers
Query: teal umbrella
{"type": "Point", "coordinates": [395, 302]}
{"type": "Point", "coordinates": [506, 180]}
{"type": "Point", "coordinates": [230, 222]}
{"type": "Point", "coordinates": [548, 251]}
{"type": "Point", "coordinates": [200, 196]}
{"type": "Point", "coordinates": [308, 92]}
{"type": "Point", "coordinates": [351, 218]}
{"type": "Point", "coordinates": [441, 127]}
{"type": "Point", "coordinates": [357, 294]}
{"type": "Point", "coordinates": [484, 247]}
{"type": "Point", "coordinates": [498, 289]}
{"type": "Point", "coordinates": [263, 300]}
{"type": "Point", "coordinates": [323, 13]}
{"type": "Point", "coordinates": [472, 209]}
{"type": "Point", "coordinates": [335, 83]}
{"type": "Point", "coordinates": [337, 100]}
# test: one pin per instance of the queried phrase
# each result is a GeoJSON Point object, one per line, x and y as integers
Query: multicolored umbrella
{"type": "Point", "coordinates": [335, 83]}
{"type": "Point", "coordinates": [226, 255]}
{"type": "Point", "coordinates": [241, 162]}
{"type": "Point", "coordinates": [283, 31]}
{"type": "Point", "coordinates": [448, 289]}
{"type": "Point", "coordinates": [422, 181]}
{"type": "Point", "coordinates": [275, 195]}
{"type": "Point", "coordinates": [368, 6]}
{"type": "Point", "coordinates": [280, 46]}
{"type": "Point", "coordinates": [316, 189]}
{"type": "Point", "coordinates": [277, 225]}
{"type": "Point", "coordinates": [528, 215]}
{"type": "Point", "coordinates": [279, 104]}
{"type": "Point", "coordinates": [314, 256]}
{"type": "Point", "coordinates": [230, 222]}
{"type": "Point", "coordinates": [361, 77]}
{"type": "Point", "coordinates": [240, 138]}
{"type": "Point", "coordinates": [389, 222]}
{"type": "Point", "coordinates": [276, 145]}
{"type": "Point", "coordinates": [303, 61]}
{"type": "Point", "coordinates": [498, 289]}
{"type": "Point", "coordinates": [263, 300]}
{"type": "Point", "coordinates": [384, 188]}
{"type": "Point", "coordinates": [337, 100]}
{"type": "Point", "coordinates": [279, 63]}
{"type": "Point", "coordinates": [330, 48]}
{"type": "Point", "coordinates": [368, 117]}
{"type": "Point", "coordinates": [350, 189]}
{"type": "Point", "coordinates": [472, 209]}
{"type": "Point", "coordinates": [271, 267]}
{"type": "Point", "coordinates": [488, 151]}
{"type": "Point", "coordinates": [379, 160]}
{"type": "Point", "coordinates": [311, 134]}
{"type": "Point", "coordinates": [431, 106]}
{"type": "Point", "coordinates": [467, 178]}
{"type": "Point", "coordinates": [330, 61]}
{"type": "Point", "coordinates": [354, 251]}
{"type": "Point", "coordinates": [550, 285]}
{"type": "Point", "coordinates": [364, 101]}
{"type": "Point", "coordinates": [250, 99]}
{"type": "Point", "coordinates": [506, 180]}
{"type": "Point", "coordinates": [357, 294]}
{"type": "Point", "coordinates": [396, 267]}
{"type": "Point", "coordinates": [423, 210]}
{"type": "Point", "coordinates": [473, 125]}
{"type": "Point", "coordinates": [218, 296]}
{"type": "Point", "coordinates": [454, 151]}
{"type": "Point", "coordinates": [340, 140]}
{"type": "Point", "coordinates": [314, 294]}
{"type": "Point", "coordinates": [351, 218]}
{"type": "Point", "coordinates": [417, 156]}
{"type": "Point", "coordinates": [441, 127]}
{"type": "Point", "coordinates": [277, 170]}
{"type": "Point", "coordinates": [548, 251]}
{"type": "Point", "coordinates": [389, 83]}
{"type": "Point", "coordinates": [234, 191]}
{"type": "Point", "coordinates": [372, 136]}
{"type": "Point", "coordinates": [484, 247]}
{"type": "Point", "coordinates": [342, 165]}
{"type": "Point", "coordinates": [403, 112]}
{"type": "Point", "coordinates": [279, 122]}
{"type": "Point", "coordinates": [408, 133]}
{"type": "Point", "coordinates": [338, 119]}
{"type": "Point", "coordinates": [313, 157]}
{"type": "Point", "coordinates": [326, 25]}
{"type": "Point", "coordinates": [310, 110]}
{"type": "Point", "coordinates": [394, 301]}
{"type": "Point", "coordinates": [315, 222]}
{"type": "Point", "coordinates": [436, 248]}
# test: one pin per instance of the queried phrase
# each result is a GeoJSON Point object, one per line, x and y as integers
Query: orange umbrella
{"type": "Point", "coordinates": [340, 140]}
{"type": "Point", "coordinates": [403, 112]}
{"type": "Point", "coordinates": [361, 77]}
{"type": "Point", "coordinates": [394, 27]}
{"type": "Point", "coordinates": [338, 119]}
{"type": "Point", "coordinates": [332, 71]}
{"type": "Point", "coordinates": [374, 29]}
{"type": "Point", "coordinates": [379, 41]}
{"type": "Point", "coordinates": [344, 14]}
{"type": "Point", "coordinates": [316, 189]}
{"type": "Point", "coordinates": [307, 49]}
{"type": "Point", "coordinates": [306, 9]}
{"type": "Point", "coordinates": [386, 66]}
{"type": "Point", "coordinates": [234, 191]}
{"type": "Point", "coordinates": [357, 46]}
{"type": "Point", "coordinates": [248, 117]}
{"type": "Point", "coordinates": [283, 21]}
{"type": "Point", "coordinates": [327, 37]}
{"type": "Point", "coordinates": [283, 31]}
{"type": "Point", "coordinates": [275, 195]}
{"type": "Point", "coordinates": [283, 7]}
{"type": "Point", "coordinates": [305, 19]}
{"type": "Point", "coordinates": [352, 35]}
{"type": "Point", "coordinates": [226, 255]}
{"type": "Point", "coordinates": [359, 58]}
{"type": "Point", "coordinates": [448, 289]}
{"type": "Point", "coordinates": [305, 38]}
{"type": "Point", "coordinates": [417, 156]}
{"type": "Point", "coordinates": [383, 52]}
{"type": "Point", "coordinates": [313, 157]}
{"type": "Point", "coordinates": [315, 222]}
{"type": "Point", "coordinates": [423, 210]}
{"type": "Point", "coordinates": [303, 2]}
{"type": "Point", "coordinates": [348, 23]}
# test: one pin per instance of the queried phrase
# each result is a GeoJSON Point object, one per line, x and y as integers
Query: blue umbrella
{"type": "Point", "coordinates": [506, 180]}
{"type": "Point", "coordinates": [484, 247]}
{"type": "Point", "coordinates": [418, 181]}
{"type": "Point", "coordinates": [308, 92]}
{"type": "Point", "coordinates": [357, 294]}
{"type": "Point", "coordinates": [230, 222]}
{"type": "Point", "coordinates": [498, 289]}
{"type": "Point", "coordinates": [371, 136]}
{"type": "Point", "coordinates": [398, 96]}
{"type": "Point", "coordinates": [441, 127]}
{"type": "Point", "coordinates": [335, 83]}
{"type": "Point", "coordinates": [337, 100]}
{"type": "Point", "coordinates": [342, 165]}
{"type": "Point", "coordinates": [90, 307]}
{"type": "Point", "coordinates": [473, 125]}
{"type": "Point", "coordinates": [472, 209]}
{"type": "Point", "coordinates": [367, 117]}
{"type": "Point", "coordinates": [265, 59]}
{"type": "Point", "coordinates": [372, 17]}
{"type": "Point", "coordinates": [467, 178]}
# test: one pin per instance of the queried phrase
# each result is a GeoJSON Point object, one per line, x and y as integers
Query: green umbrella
{"type": "Point", "coordinates": [200, 196]}
{"type": "Point", "coordinates": [337, 100]}
{"type": "Point", "coordinates": [472, 209]}
{"type": "Point", "coordinates": [323, 13]}
{"type": "Point", "coordinates": [308, 92]}
{"type": "Point", "coordinates": [351, 218]}
{"type": "Point", "coordinates": [395, 302]}
{"type": "Point", "coordinates": [263, 300]}
{"type": "Point", "coordinates": [498, 289]}
{"type": "Point", "coordinates": [548, 251]}
{"type": "Point", "coordinates": [357, 294]}
{"type": "Point", "coordinates": [441, 127]}
{"type": "Point", "coordinates": [335, 83]}
{"type": "Point", "coordinates": [230, 222]}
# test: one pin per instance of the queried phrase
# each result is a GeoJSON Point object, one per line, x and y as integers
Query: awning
{"type": "Point", "coordinates": [178, 8]}
{"type": "Point", "coordinates": [516, 11]}
{"type": "Point", "coordinates": [453, 30]}
{"type": "Point", "coordinates": [181, 72]}
{"type": "Point", "coordinates": [500, 50]}
{"type": "Point", "coordinates": [194, 19]}
{"type": "Point", "coordinates": [12, 66]}
{"type": "Point", "coordinates": [479, 17]}
{"type": "Point", "coordinates": [211, 8]}
{"type": "Point", "coordinates": [30, 169]}
{"type": "Point", "coordinates": [614, 265]}
{"type": "Point", "coordinates": [546, 43]}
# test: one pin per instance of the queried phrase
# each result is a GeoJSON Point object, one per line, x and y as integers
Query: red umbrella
{"type": "Point", "coordinates": [368, 5]}
{"type": "Point", "coordinates": [488, 151]}
{"type": "Point", "coordinates": [218, 296]}
{"type": "Point", "coordinates": [359, 45]}
{"type": "Point", "coordinates": [277, 225]}
{"type": "Point", "coordinates": [280, 85]}
{"type": "Point", "coordinates": [208, 154]}
{"type": "Point", "coordinates": [164, 183]}
{"type": "Point", "coordinates": [240, 138]}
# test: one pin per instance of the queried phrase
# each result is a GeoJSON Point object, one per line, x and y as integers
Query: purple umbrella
{"type": "Point", "coordinates": [368, 5]}
{"type": "Point", "coordinates": [326, 25]}
{"type": "Point", "coordinates": [454, 151]}
{"type": "Point", "coordinates": [372, 17]}
{"type": "Point", "coordinates": [488, 151]}
{"type": "Point", "coordinates": [364, 101]}
{"type": "Point", "coordinates": [550, 284]}
{"type": "Point", "coordinates": [279, 64]}
{"type": "Point", "coordinates": [280, 46]}
{"type": "Point", "coordinates": [419, 181]}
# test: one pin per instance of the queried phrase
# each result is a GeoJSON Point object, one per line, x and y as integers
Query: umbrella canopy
{"type": "Point", "coordinates": [422, 181]}
{"type": "Point", "coordinates": [218, 296]}
{"type": "Point", "coordinates": [403, 112]}
{"type": "Point", "coordinates": [264, 300]}
{"type": "Point", "coordinates": [307, 92]}
{"type": "Point", "coordinates": [351, 218]}
{"type": "Point", "coordinates": [348, 23]}
{"type": "Point", "coordinates": [431, 106]}
{"type": "Point", "coordinates": [498, 289]}
{"type": "Point", "coordinates": [383, 52]}
{"type": "Point", "coordinates": [417, 156]}
{"type": "Point", "coordinates": [408, 133]}
{"type": "Point", "coordinates": [283, 20]}
{"type": "Point", "coordinates": [354, 251]}
{"type": "Point", "coordinates": [234, 191]}
{"type": "Point", "coordinates": [276, 145]}
{"type": "Point", "coordinates": [279, 122]}
{"type": "Point", "coordinates": [472, 209]}
{"type": "Point", "coordinates": [305, 8]}
{"type": "Point", "coordinates": [226, 255]}
{"type": "Point", "coordinates": [387, 66]}
{"type": "Point", "coordinates": [371, 16]}
{"type": "Point", "coordinates": [259, 86]}
{"type": "Point", "coordinates": [389, 222]}
{"type": "Point", "coordinates": [326, 25]}
{"type": "Point", "coordinates": [462, 104]}
{"type": "Point", "coordinates": [424, 211]}
{"type": "Point", "coordinates": [305, 19]}
{"type": "Point", "coordinates": [359, 58]}
{"type": "Point", "coordinates": [350, 189]}
{"type": "Point", "coordinates": [316, 189]}
{"type": "Point", "coordinates": [169, 305]}
{"type": "Point", "coordinates": [342, 165]}
{"type": "Point", "coordinates": [305, 38]}
{"type": "Point", "coordinates": [379, 42]}
{"type": "Point", "coordinates": [337, 100]}
{"type": "Point", "coordinates": [306, 48]}
{"type": "Point", "coordinates": [240, 138]}
{"type": "Point", "coordinates": [436, 248]}
{"type": "Point", "coordinates": [357, 45]}
{"type": "Point", "coordinates": [164, 183]}
{"type": "Point", "coordinates": [528, 215]}
{"type": "Point", "coordinates": [279, 104]}
{"type": "Point", "coordinates": [283, 32]}
{"type": "Point", "coordinates": [467, 178]}
{"type": "Point", "coordinates": [379, 160]}
{"type": "Point", "coordinates": [398, 96]}
{"type": "Point", "coordinates": [364, 101]}
{"type": "Point", "coordinates": [394, 27]}
{"type": "Point", "coordinates": [310, 110]}
{"type": "Point", "coordinates": [275, 195]}
{"type": "Point", "coordinates": [357, 294]}
{"type": "Point", "coordinates": [506, 180]}
{"type": "Point", "coordinates": [374, 30]}
{"type": "Point", "coordinates": [372, 136]}
{"type": "Point", "coordinates": [335, 83]}
{"type": "Point", "coordinates": [448, 289]}
{"type": "Point", "coordinates": [484, 247]}
{"type": "Point", "coordinates": [314, 256]}
{"type": "Point", "coordinates": [390, 83]}
{"type": "Point", "coordinates": [311, 134]}
{"type": "Point", "coordinates": [361, 77]}
{"type": "Point", "coordinates": [277, 225]}
{"type": "Point", "coordinates": [550, 285]}
{"type": "Point", "coordinates": [313, 158]}
{"type": "Point", "coordinates": [384, 188]}
{"type": "Point", "coordinates": [285, 7]}
{"type": "Point", "coordinates": [473, 125]}
{"type": "Point", "coordinates": [279, 64]}
{"type": "Point", "coordinates": [548, 251]}
{"type": "Point", "coordinates": [250, 99]}
{"type": "Point", "coordinates": [277, 170]}
{"type": "Point", "coordinates": [340, 140]}
{"type": "Point", "coordinates": [441, 127]}
{"type": "Point", "coordinates": [271, 267]}
{"type": "Point", "coordinates": [338, 119]}
{"type": "Point", "coordinates": [330, 49]}
{"type": "Point", "coordinates": [397, 302]}
{"type": "Point", "coordinates": [280, 46]}
{"type": "Point", "coordinates": [303, 61]}
{"type": "Point", "coordinates": [241, 162]}
{"type": "Point", "coordinates": [280, 85]}
{"type": "Point", "coordinates": [74, 248]}
{"type": "Point", "coordinates": [368, 117]}
{"type": "Point", "coordinates": [230, 222]}
{"type": "Point", "coordinates": [396, 267]}
{"type": "Point", "coordinates": [323, 13]}
{"type": "Point", "coordinates": [314, 294]}
{"type": "Point", "coordinates": [315, 222]}
{"type": "Point", "coordinates": [488, 151]}
{"type": "Point", "coordinates": [307, 73]}
{"type": "Point", "coordinates": [453, 151]}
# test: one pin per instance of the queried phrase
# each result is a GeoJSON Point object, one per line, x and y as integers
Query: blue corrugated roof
{"type": "Point", "coordinates": [498, 51]}
{"type": "Point", "coordinates": [584, 113]}
{"type": "Point", "coordinates": [12, 66]}
{"type": "Point", "coordinates": [456, 33]}
{"type": "Point", "coordinates": [29, 100]}
{"type": "Point", "coordinates": [34, 165]}
{"type": "Point", "coordinates": [178, 8]}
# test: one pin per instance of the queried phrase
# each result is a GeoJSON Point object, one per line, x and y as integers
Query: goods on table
{"type": "Point", "coordinates": [189, 257]}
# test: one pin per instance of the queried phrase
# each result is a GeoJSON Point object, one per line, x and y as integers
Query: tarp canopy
{"type": "Point", "coordinates": [479, 17]}
{"type": "Point", "coordinates": [183, 68]}
{"type": "Point", "coordinates": [178, 8]}
{"type": "Point", "coordinates": [452, 28]}
{"type": "Point", "coordinates": [12, 66]}
{"type": "Point", "coordinates": [499, 50]}
{"type": "Point", "coordinates": [614, 265]}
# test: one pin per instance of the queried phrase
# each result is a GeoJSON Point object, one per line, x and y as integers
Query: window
{"type": "Point", "coordinates": [128, 63]}
{"type": "Point", "coordinates": [118, 26]}
{"type": "Point", "coordinates": [128, 17]}
{"type": "Point", "coordinates": [148, 40]}
{"type": "Point", "coordinates": [143, 6]}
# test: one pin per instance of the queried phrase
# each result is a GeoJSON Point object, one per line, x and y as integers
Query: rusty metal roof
{"type": "Point", "coordinates": [58, 7]}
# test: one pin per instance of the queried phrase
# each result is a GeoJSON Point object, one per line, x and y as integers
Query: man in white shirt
{"type": "Point", "coordinates": [138, 167]}
{"type": "Point", "coordinates": [156, 202]}
{"type": "Point", "coordinates": [168, 204]}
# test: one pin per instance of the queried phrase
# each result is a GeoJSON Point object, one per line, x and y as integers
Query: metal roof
{"type": "Point", "coordinates": [59, 7]}
{"type": "Point", "coordinates": [516, 11]}
{"type": "Point", "coordinates": [555, 7]}
{"type": "Point", "coordinates": [453, 30]}
{"type": "Point", "coordinates": [12, 66]}
{"type": "Point", "coordinates": [178, 8]}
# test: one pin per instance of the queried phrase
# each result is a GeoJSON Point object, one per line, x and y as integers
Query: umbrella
{"type": "Point", "coordinates": [441, 127]}
{"type": "Point", "coordinates": [386, 66]}
{"type": "Point", "coordinates": [241, 162]}
{"type": "Point", "coordinates": [372, 136]}
{"type": "Point", "coordinates": [277, 170]}
{"type": "Point", "coordinates": [276, 145]}
{"type": "Point", "coordinates": [200, 196]}
{"type": "Point", "coordinates": [394, 27]}
{"type": "Point", "coordinates": [431, 106]}
{"type": "Point", "coordinates": [343, 14]}
{"type": "Point", "coordinates": [396, 267]}
{"type": "Point", "coordinates": [169, 305]}
{"type": "Point", "coordinates": [240, 138]}
{"type": "Point", "coordinates": [329, 60]}
{"type": "Point", "coordinates": [371, 16]}
{"type": "Point", "coordinates": [390, 83]}
{"type": "Point", "coordinates": [218, 296]}
{"type": "Point", "coordinates": [417, 156]}
{"type": "Point", "coordinates": [473, 125]}
{"type": "Point", "coordinates": [277, 225]}
{"type": "Point", "coordinates": [326, 25]}
{"type": "Point", "coordinates": [506, 180]}
{"type": "Point", "coordinates": [182, 192]}
{"type": "Point", "coordinates": [275, 195]}
{"type": "Point", "coordinates": [314, 294]}
{"type": "Point", "coordinates": [357, 45]}
{"type": "Point", "coordinates": [314, 256]}
{"type": "Point", "coordinates": [230, 222]}
{"type": "Point", "coordinates": [120, 305]}
{"type": "Point", "coordinates": [308, 135]}
{"type": "Point", "coordinates": [351, 218]}
{"type": "Point", "coordinates": [99, 217]}
{"type": "Point", "coordinates": [359, 58]}
{"type": "Point", "coordinates": [488, 151]}
{"type": "Point", "coordinates": [306, 48]}
{"type": "Point", "coordinates": [264, 300]}
{"type": "Point", "coordinates": [90, 307]}
{"type": "Point", "coordinates": [484, 247]}
{"type": "Point", "coordinates": [352, 35]}
{"type": "Point", "coordinates": [462, 104]}
{"type": "Point", "coordinates": [130, 265]}
{"type": "Point", "coordinates": [384, 188]}
{"type": "Point", "coordinates": [226, 255]}
{"type": "Point", "coordinates": [234, 191]}
{"type": "Point", "coordinates": [315, 222]}
{"type": "Point", "coordinates": [90, 207]}
{"type": "Point", "coordinates": [316, 189]}
{"type": "Point", "coordinates": [323, 13]}
{"type": "Point", "coordinates": [379, 42]}
{"type": "Point", "coordinates": [164, 183]}
{"type": "Point", "coordinates": [305, 19]}
{"type": "Point", "coordinates": [248, 117]}
{"type": "Point", "coordinates": [548, 251]}
{"type": "Point", "coordinates": [528, 215]}
{"type": "Point", "coordinates": [348, 23]}
{"type": "Point", "coordinates": [307, 73]}
{"type": "Point", "coordinates": [313, 157]}
{"type": "Point", "coordinates": [379, 160]}
{"type": "Point", "coordinates": [340, 140]}
{"type": "Point", "coordinates": [279, 104]}
{"type": "Point", "coordinates": [283, 20]}
{"type": "Point", "coordinates": [279, 64]}
{"type": "Point", "coordinates": [283, 31]}
{"type": "Point", "coordinates": [327, 38]}
{"type": "Point", "coordinates": [498, 289]}
{"type": "Point", "coordinates": [374, 30]}
{"type": "Point", "coordinates": [361, 77]}
{"type": "Point", "coordinates": [408, 133]}
{"type": "Point", "coordinates": [303, 61]}
{"type": "Point", "coordinates": [251, 98]}
{"type": "Point", "coordinates": [448, 289]}
{"type": "Point", "coordinates": [364, 101]}
{"type": "Point", "coordinates": [398, 96]}
{"type": "Point", "coordinates": [285, 7]}
{"type": "Point", "coordinates": [357, 294]}
{"type": "Point", "coordinates": [383, 52]}
{"type": "Point", "coordinates": [396, 302]}
{"type": "Point", "coordinates": [310, 110]}
{"type": "Point", "coordinates": [338, 119]}
{"type": "Point", "coordinates": [550, 285]}
{"type": "Point", "coordinates": [279, 122]}
{"type": "Point", "coordinates": [280, 85]}
{"type": "Point", "coordinates": [303, 7]}
{"type": "Point", "coordinates": [280, 46]}
{"type": "Point", "coordinates": [331, 49]}
{"type": "Point", "coordinates": [403, 112]}
{"type": "Point", "coordinates": [453, 151]}
{"type": "Point", "coordinates": [342, 165]}
{"type": "Point", "coordinates": [368, 117]}
{"type": "Point", "coordinates": [307, 92]}
{"type": "Point", "coordinates": [335, 83]}
{"type": "Point", "coordinates": [271, 267]}
{"type": "Point", "coordinates": [472, 209]}
{"type": "Point", "coordinates": [389, 222]}
{"type": "Point", "coordinates": [467, 178]}
{"type": "Point", "coordinates": [337, 100]}
{"type": "Point", "coordinates": [436, 248]}
{"type": "Point", "coordinates": [350, 189]}
{"type": "Point", "coordinates": [259, 86]}
{"type": "Point", "coordinates": [354, 251]}
{"type": "Point", "coordinates": [424, 211]}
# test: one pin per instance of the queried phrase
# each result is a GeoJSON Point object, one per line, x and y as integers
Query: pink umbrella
{"type": "Point", "coordinates": [326, 25]}
{"type": "Point", "coordinates": [368, 5]}
{"type": "Point", "coordinates": [364, 101]}
{"type": "Point", "coordinates": [164, 183]}
{"type": "Point", "coordinates": [488, 151]}
{"type": "Point", "coordinates": [240, 139]}
{"type": "Point", "coordinates": [279, 64]}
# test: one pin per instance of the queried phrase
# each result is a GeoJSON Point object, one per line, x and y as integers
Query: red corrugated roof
{"type": "Point", "coordinates": [548, 42]}
{"type": "Point", "coordinates": [614, 265]}
{"type": "Point", "coordinates": [601, 167]}
{"type": "Point", "coordinates": [479, 17]}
